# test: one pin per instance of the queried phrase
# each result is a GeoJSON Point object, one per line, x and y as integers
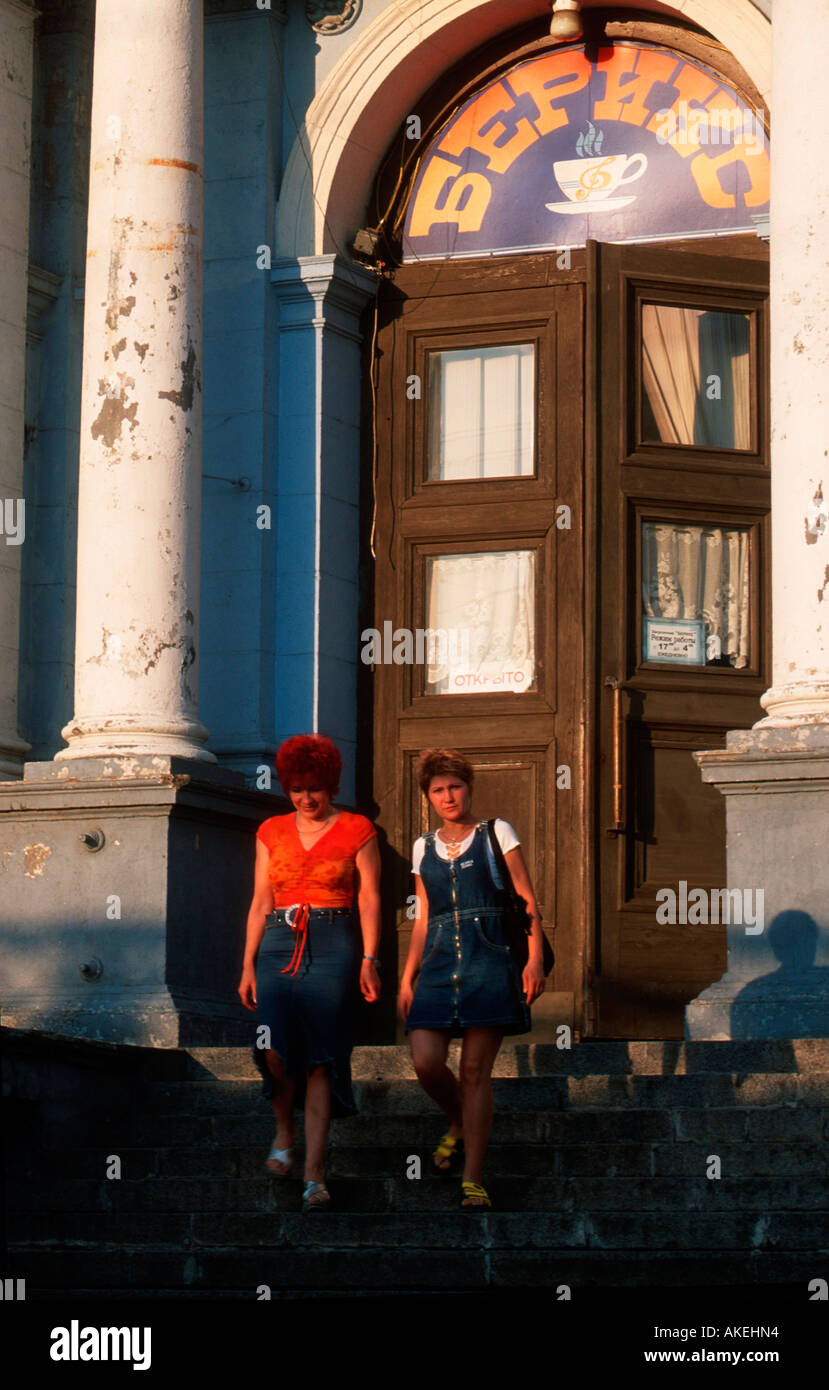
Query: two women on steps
{"type": "Point", "coordinates": [304, 958]}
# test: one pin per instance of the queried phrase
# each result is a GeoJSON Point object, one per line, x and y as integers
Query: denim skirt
{"type": "Point", "coordinates": [468, 977]}
{"type": "Point", "coordinates": [311, 1014]}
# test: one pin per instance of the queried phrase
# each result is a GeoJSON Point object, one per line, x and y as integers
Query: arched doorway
{"type": "Point", "coordinates": [571, 484]}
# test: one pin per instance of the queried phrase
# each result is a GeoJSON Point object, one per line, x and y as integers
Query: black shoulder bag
{"type": "Point", "coordinates": [517, 920]}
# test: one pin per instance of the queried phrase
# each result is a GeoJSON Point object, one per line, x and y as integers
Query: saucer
{"type": "Point", "coordinates": [593, 205]}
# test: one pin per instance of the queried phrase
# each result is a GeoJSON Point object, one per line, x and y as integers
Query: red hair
{"type": "Point", "coordinates": [311, 760]}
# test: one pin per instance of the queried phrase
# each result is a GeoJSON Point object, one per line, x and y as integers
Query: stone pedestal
{"type": "Point", "coordinates": [776, 788]}
{"type": "Point", "coordinates": [124, 891]}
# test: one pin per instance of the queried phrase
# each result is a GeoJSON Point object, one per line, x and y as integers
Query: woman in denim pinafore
{"type": "Point", "coordinates": [467, 975]}
{"type": "Point", "coordinates": [467, 982]}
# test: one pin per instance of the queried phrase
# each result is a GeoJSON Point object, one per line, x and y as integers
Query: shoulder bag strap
{"type": "Point", "coordinates": [498, 854]}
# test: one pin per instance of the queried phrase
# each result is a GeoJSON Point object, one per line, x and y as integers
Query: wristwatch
{"type": "Point", "coordinates": [374, 960]}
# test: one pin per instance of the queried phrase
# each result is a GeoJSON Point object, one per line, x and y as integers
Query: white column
{"type": "Point", "coordinates": [15, 138]}
{"type": "Point", "coordinates": [139, 502]}
{"type": "Point", "coordinates": [800, 368]}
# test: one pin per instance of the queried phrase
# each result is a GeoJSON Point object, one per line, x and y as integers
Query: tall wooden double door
{"type": "Point", "coordinates": [571, 509]}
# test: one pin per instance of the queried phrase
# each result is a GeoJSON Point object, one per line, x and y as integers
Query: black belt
{"type": "Point", "coordinates": [281, 917]}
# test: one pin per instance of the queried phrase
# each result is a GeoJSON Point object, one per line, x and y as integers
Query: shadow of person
{"type": "Point", "coordinates": [792, 1001]}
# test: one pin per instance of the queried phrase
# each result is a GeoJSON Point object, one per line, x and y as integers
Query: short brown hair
{"type": "Point", "coordinates": [442, 762]}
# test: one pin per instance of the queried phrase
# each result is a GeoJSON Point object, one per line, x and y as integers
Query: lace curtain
{"type": "Point", "coordinates": [486, 605]}
{"type": "Point", "coordinates": [682, 350]}
{"type": "Point", "coordinates": [700, 572]}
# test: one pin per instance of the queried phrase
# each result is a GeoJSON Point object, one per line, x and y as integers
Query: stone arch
{"type": "Point", "coordinates": [374, 85]}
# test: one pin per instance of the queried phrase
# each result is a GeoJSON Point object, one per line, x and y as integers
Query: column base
{"type": "Point", "coordinates": [776, 785]}
{"type": "Point", "coordinates": [800, 703]}
{"type": "Point", "coordinates": [176, 738]}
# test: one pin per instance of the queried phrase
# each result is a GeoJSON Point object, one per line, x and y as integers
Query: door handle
{"type": "Point", "coordinates": [618, 786]}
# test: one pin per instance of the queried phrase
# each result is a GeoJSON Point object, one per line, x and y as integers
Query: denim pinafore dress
{"type": "Point", "coordinates": [468, 977]}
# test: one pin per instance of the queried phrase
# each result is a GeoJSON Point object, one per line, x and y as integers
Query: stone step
{"type": "Point", "coordinates": [587, 1058]}
{"type": "Point", "coordinates": [420, 1132]}
{"type": "Point", "coordinates": [598, 1168]}
{"type": "Point", "coordinates": [213, 1097]}
{"type": "Point", "coordinates": [126, 1271]}
{"type": "Point", "coordinates": [617, 1160]}
{"type": "Point", "coordinates": [795, 1171]}
{"type": "Point", "coordinates": [60, 1211]}
{"type": "Point", "coordinates": [383, 1230]}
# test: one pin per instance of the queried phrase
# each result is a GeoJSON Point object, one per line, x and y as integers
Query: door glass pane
{"type": "Point", "coordinates": [480, 611]}
{"type": "Point", "coordinates": [695, 582]}
{"type": "Point", "coordinates": [482, 413]}
{"type": "Point", "coordinates": [696, 378]}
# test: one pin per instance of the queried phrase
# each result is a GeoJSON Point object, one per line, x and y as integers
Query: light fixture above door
{"type": "Point", "coordinates": [566, 22]}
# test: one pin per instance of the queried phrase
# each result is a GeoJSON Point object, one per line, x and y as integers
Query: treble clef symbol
{"type": "Point", "coordinates": [594, 178]}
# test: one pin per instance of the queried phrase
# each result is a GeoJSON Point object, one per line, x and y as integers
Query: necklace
{"type": "Point", "coordinates": [453, 847]}
{"type": "Point", "coordinates": [324, 826]}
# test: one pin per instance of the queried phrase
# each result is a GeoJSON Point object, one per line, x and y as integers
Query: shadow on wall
{"type": "Point", "coordinates": [793, 936]}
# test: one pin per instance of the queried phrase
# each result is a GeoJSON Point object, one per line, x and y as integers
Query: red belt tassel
{"type": "Point", "coordinates": [300, 926]}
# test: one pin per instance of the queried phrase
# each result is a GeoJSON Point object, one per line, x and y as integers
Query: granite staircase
{"type": "Point", "coordinates": [601, 1169]}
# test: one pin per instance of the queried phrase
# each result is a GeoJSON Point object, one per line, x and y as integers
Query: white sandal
{"type": "Point", "coordinates": [285, 1157]}
{"type": "Point", "coordinates": [310, 1190]}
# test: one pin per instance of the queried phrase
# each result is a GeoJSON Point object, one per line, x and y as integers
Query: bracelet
{"type": "Point", "coordinates": [373, 959]}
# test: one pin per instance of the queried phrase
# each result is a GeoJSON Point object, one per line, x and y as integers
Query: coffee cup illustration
{"type": "Point", "coordinates": [592, 180]}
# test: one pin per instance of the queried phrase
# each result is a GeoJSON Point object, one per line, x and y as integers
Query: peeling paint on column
{"type": "Point", "coordinates": [175, 164]}
{"type": "Point", "coordinates": [816, 519]}
{"type": "Point", "coordinates": [34, 859]}
{"type": "Point", "coordinates": [190, 382]}
{"type": "Point", "coordinates": [155, 655]}
{"type": "Point", "coordinates": [114, 411]}
{"type": "Point", "coordinates": [114, 312]}
{"type": "Point", "coordinates": [110, 648]}
{"type": "Point", "coordinates": [821, 593]}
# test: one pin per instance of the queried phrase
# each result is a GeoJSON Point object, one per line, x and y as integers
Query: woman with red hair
{"type": "Point", "coordinates": [303, 954]}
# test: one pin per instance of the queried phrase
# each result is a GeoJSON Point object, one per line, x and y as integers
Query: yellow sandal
{"type": "Point", "coordinates": [451, 1147]}
{"type": "Point", "coordinates": [474, 1189]}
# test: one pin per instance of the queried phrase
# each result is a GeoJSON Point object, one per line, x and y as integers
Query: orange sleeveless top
{"type": "Point", "coordinates": [322, 875]}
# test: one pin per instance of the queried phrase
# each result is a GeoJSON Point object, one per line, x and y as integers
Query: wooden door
{"type": "Point", "coordinates": [479, 532]}
{"type": "Point", "coordinates": [683, 603]}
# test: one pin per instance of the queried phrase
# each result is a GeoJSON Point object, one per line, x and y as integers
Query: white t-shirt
{"type": "Point", "coordinates": [504, 834]}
